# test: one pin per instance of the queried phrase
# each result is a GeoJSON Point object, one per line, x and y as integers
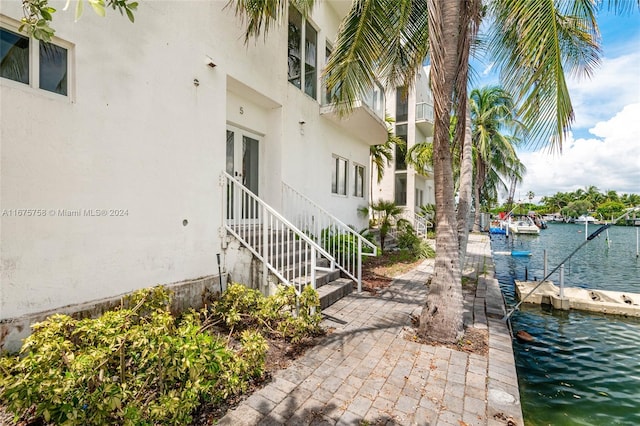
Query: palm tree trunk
{"type": "Point", "coordinates": [466, 181]}
{"type": "Point", "coordinates": [478, 184]}
{"type": "Point", "coordinates": [441, 318]}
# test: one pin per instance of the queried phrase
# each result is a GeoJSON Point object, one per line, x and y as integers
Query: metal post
{"type": "Point", "coordinates": [544, 255]}
{"type": "Point", "coordinates": [562, 281]}
{"type": "Point", "coordinates": [359, 255]}
{"type": "Point", "coordinates": [265, 249]}
{"type": "Point", "coordinates": [637, 239]}
{"type": "Point", "coordinates": [586, 228]}
{"type": "Point", "coordinates": [313, 267]}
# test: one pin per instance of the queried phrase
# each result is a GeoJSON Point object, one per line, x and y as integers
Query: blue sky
{"type": "Point", "coordinates": [603, 148]}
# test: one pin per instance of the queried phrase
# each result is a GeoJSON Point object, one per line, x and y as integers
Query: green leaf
{"type": "Point", "coordinates": [79, 9]}
{"type": "Point", "coordinates": [130, 15]}
{"type": "Point", "coordinates": [47, 415]}
{"type": "Point", "coordinates": [98, 7]}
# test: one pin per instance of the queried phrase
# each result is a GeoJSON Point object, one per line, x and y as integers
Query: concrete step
{"type": "Point", "coordinates": [333, 291]}
{"type": "Point", "coordinates": [298, 268]}
{"type": "Point", "coordinates": [322, 278]}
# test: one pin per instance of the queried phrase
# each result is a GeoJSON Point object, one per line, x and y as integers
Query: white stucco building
{"type": "Point", "coordinates": [412, 111]}
{"type": "Point", "coordinates": [113, 141]}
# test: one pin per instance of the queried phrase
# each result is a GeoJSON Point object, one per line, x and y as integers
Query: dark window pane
{"type": "Point", "coordinates": [339, 176]}
{"type": "Point", "coordinates": [402, 104]}
{"type": "Point", "coordinates": [14, 56]}
{"type": "Point", "coordinates": [53, 68]}
{"type": "Point", "coordinates": [294, 45]}
{"type": "Point", "coordinates": [342, 177]}
{"type": "Point", "coordinates": [310, 61]}
{"type": "Point", "coordinates": [359, 181]}
{"type": "Point", "coordinates": [401, 150]}
{"type": "Point", "coordinates": [401, 189]}
{"type": "Point", "coordinates": [230, 153]}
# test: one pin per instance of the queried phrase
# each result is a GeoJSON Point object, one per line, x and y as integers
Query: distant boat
{"type": "Point", "coordinates": [523, 225]}
{"type": "Point", "coordinates": [553, 218]}
{"type": "Point", "coordinates": [584, 218]}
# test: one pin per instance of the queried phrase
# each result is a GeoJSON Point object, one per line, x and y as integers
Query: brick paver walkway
{"type": "Point", "coordinates": [366, 372]}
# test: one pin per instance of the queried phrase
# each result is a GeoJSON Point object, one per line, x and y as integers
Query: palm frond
{"type": "Point", "coordinates": [259, 16]}
{"type": "Point", "coordinates": [377, 38]}
{"type": "Point", "coordinates": [535, 42]}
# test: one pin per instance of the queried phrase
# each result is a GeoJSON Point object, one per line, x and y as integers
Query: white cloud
{"type": "Point", "coordinates": [609, 161]}
{"type": "Point", "coordinates": [613, 85]}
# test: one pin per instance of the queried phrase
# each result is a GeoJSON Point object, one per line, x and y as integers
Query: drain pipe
{"type": "Point", "coordinates": [561, 264]}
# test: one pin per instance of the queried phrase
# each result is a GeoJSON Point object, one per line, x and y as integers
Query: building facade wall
{"type": "Point", "coordinates": [142, 137]}
{"type": "Point", "coordinates": [387, 189]}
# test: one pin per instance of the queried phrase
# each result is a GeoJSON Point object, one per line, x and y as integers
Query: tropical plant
{"type": "Point", "coordinates": [576, 208]}
{"type": "Point", "coordinates": [609, 210]}
{"type": "Point", "coordinates": [493, 124]}
{"type": "Point", "coordinates": [37, 14]}
{"type": "Point", "coordinates": [420, 157]}
{"type": "Point", "coordinates": [388, 214]}
{"type": "Point", "coordinates": [382, 155]}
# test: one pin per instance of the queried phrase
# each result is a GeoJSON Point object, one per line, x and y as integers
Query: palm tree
{"type": "Point", "coordinates": [389, 216]}
{"type": "Point", "coordinates": [493, 116]}
{"type": "Point", "coordinates": [534, 43]}
{"type": "Point", "coordinates": [420, 157]}
{"type": "Point", "coordinates": [381, 155]}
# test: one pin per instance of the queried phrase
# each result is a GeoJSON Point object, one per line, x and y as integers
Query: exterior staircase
{"type": "Point", "coordinates": [287, 254]}
{"type": "Point", "coordinates": [328, 282]}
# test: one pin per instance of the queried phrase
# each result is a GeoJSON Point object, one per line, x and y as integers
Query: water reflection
{"type": "Point", "coordinates": [582, 368]}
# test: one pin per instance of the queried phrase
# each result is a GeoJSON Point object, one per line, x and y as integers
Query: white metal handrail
{"type": "Point", "coordinates": [420, 223]}
{"type": "Point", "coordinates": [345, 244]}
{"type": "Point", "coordinates": [284, 250]}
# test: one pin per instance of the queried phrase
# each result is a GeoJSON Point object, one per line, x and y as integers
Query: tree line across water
{"type": "Point", "coordinates": [604, 206]}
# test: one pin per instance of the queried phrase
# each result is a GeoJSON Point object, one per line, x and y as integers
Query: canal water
{"type": "Point", "coordinates": [582, 368]}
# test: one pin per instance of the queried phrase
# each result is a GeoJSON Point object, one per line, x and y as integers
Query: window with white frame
{"type": "Point", "coordinates": [35, 63]}
{"type": "Point", "coordinates": [339, 176]}
{"type": "Point", "coordinates": [302, 43]}
{"type": "Point", "coordinates": [358, 180]}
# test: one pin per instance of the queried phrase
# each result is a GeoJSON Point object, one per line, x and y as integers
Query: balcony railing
{"type": "Point", "coordinates": [424, 111]}
{"type": "Point", "coordinates": [373, 99]}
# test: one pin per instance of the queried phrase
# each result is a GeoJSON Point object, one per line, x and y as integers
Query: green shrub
{"type": "Point", "coordinates": [137, 365]}
{"type": "Point", "coordinates": [281, 315]}
{"type": "Point", "coordinates": [407, 239]}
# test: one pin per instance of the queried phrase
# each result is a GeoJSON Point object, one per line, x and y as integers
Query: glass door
{"type": "Point", "coordinates": [243, 164]}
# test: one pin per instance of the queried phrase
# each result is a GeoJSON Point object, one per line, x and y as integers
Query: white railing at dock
{"type": "Point", "coordinates": [284, 250]}
{"type": "Point", "coordinates": [345, 244]}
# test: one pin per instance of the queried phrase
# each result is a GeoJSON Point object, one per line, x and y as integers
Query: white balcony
{"type": "Point", "coordinates": [424, 117]}
{"type": "Point", "coordinates": [366, 120]}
